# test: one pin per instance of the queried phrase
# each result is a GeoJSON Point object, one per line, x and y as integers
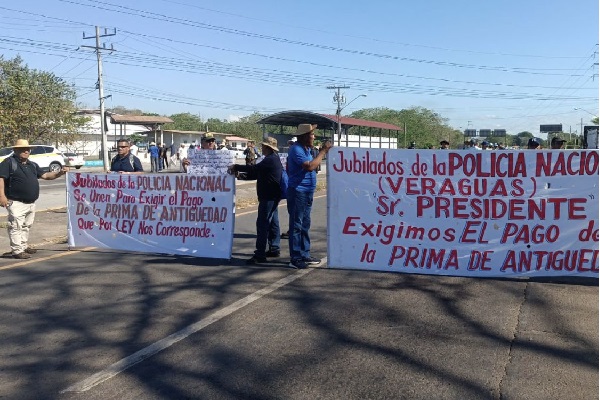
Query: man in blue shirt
{"type": "Point", "coordinates": [154, 155]}
{"type": "Point", "coordinates": [125, 162]}
{"type": "Point", "coordinates": [302, 166]}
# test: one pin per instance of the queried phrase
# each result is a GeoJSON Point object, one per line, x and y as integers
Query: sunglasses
{"type": "Point", "coordinates": [123, 147]}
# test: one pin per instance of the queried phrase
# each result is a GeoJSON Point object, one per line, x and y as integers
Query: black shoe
{"type": "Point", "coordinates": [285, 235]}
{"type": "Point", "coordinates": [312, 261]}
{"type": "Point", "coordinates": [298, 264]}
{"type": "Point", "coordinates": [22, 256]}
{"type": "Point", "coordinates": [272, 253]}
{"type": "Point", "coordinates": [256, 260]}
{"type": "Point", "coordinates": [30, 250]}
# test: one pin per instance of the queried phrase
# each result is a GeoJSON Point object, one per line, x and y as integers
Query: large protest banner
{"type": "Point", "coordinates": [464, 213]}
{"type": "Point", "coordinates": [160, 213]}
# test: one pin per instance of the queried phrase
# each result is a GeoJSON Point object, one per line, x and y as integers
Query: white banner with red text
{"type": "Point", "coordinates": [156, 213]}
{"type": "Point", "coordinates": [464, 213]}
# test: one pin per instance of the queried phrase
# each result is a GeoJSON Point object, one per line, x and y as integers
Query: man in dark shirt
{"type": "Point", "coordinates": [19, 189]}
{"type": "Point", "coordinates": [125, 162]}
{"type": "Point", "coordinates": [268, 176]}
{"type": "Point", "coordinates": [557, 143]}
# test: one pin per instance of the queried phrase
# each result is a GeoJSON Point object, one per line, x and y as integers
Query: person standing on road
{"type": "Point", "coordinates": [471, 145]}
{"type": "Point", "coordinates": [19, 189]}
{"type": "Point", "coordinates": [250, 154]}
{"type": "Point", "coordinates": [302, 184]}
{"type": "Point", "coordinates": [533, 144]}
{"type": "Point", "coordinates": [125, 162]}
{"type": "Point", "coordinates": [154, 154]}
{"type": "Point", "coordinates": [164, 158]}
{"type": "Point", "coordinates": [557, 143]}
{"type": "Point", "coordinates": [133, 148]}
{"type": "Point", "coordinates": [268, 175]}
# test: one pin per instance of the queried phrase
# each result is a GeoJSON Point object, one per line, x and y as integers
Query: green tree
{"type": "Point", "coordinates": [36, 105]}
{"type": "Point", "coordinates": [185, 122]}
{"type": "Point", "coordinates": [121, 110]}
{"type": "Point", "coordinates": [522, 138]}
{"type": "Point", "coordinates": [423, 126]}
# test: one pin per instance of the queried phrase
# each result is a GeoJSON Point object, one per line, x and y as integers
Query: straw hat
{"type": "Point", "coordinates": [21, 143]}
{"type": "Point", "coordinates": [305, 128]}
{"type": "Point", "coordinates": [271, 142]}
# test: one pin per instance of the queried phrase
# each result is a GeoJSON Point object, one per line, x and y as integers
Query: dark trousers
{"type": "Point", "coordinates": [267, 227]}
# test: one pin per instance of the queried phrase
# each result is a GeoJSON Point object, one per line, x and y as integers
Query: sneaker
{"type": "Point", "coordinates": [298, 264]}
{"type": "Point", "coordinates": [312, 261]}
{"type": "Point", "coordinates": [30, 250]}
{"type": "Point", "coordinates": [272, 253]}
{"type": "Point", "coordinates": [7, 254]}
{"type": "Point", "coordinates": [256, 260]}
{"type": "Point", "coordinates": [22, 256]}
{"type": "Point", "coordinates": [285, 235]}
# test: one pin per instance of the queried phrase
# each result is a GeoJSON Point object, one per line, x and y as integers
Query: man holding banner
{"type": "Point", "coordinates": [125, 162]}
{"type": "Point", "coordinates": [302, 174]}
{"type": "Point", "coordinates": [268, 175]}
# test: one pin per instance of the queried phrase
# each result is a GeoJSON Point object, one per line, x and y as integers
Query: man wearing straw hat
{"type": "Point", "coordinates": [268, 175]}
{"type": "Point", "coordinates": [19, 189]}
{"type": "Point", "coordinates": [301, 168]}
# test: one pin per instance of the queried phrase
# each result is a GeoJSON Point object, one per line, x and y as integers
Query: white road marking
{"type": "Point", "coordinates": [163, 344]}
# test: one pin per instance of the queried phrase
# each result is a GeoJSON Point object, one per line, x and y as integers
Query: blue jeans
{"type": "Point", "coordinates": [154, 167]}
{"type": "Point", "coordinates": [267, 227]}
{"type": "Point", "coordinates": [299, 207]}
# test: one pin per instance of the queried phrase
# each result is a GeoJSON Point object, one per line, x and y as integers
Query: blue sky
{"type": "Point", "coordinates": [480, 64]}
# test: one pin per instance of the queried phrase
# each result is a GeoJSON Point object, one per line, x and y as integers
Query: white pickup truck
{"type": "Point", "coordinates": [236, 153]}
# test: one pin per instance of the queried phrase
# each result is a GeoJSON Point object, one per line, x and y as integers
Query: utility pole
{"type": "Point", "coordinates": [340, 99]}
{"type": "Point", "coordinates": [100, 87]}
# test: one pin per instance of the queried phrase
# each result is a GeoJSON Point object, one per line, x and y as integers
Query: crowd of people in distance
{"type": "Point", "coordinates": [532, 144]}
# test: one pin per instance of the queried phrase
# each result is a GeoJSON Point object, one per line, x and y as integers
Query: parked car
{"type": "Point", "coordinates": [47, 157]}
{"type": "Point", "coordinates": [73, 160]}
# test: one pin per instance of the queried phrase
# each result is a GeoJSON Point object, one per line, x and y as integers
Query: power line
{"type": "Point", "coordinates": [337, 34]}
{"type": "Point", "coordinates": [300, 79]}
{"type": "Point", "coordinates": [188, 22]}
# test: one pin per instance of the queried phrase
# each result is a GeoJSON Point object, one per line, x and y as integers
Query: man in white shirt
{"type": "Point", "coordinates": [133, 149]}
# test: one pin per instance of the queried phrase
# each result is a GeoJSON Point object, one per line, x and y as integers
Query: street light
{"type": "Point", "coordinates": [581, 109]}
{"type": "Point", "coordinates": [339, 117]}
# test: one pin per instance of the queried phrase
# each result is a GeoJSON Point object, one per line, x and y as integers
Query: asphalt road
{"type": "Point", "coordinates": [108, 325]}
